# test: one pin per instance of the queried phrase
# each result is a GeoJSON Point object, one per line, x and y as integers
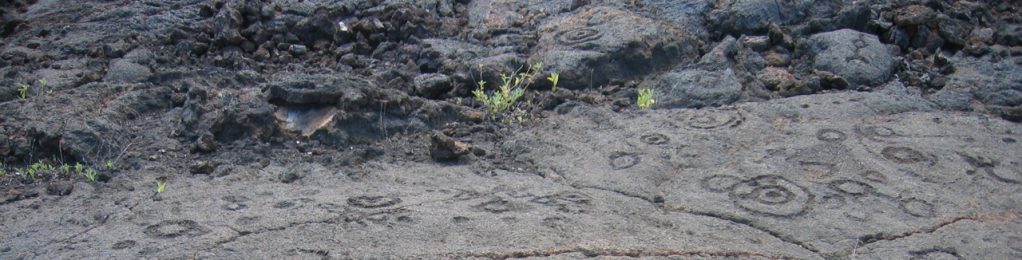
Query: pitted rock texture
{"type": "Point", "coordinates": [593, 46]}
{"type": "Point", "coordinates": [856, 57]}
{"type": "Point", "coordinates": [322, 129]}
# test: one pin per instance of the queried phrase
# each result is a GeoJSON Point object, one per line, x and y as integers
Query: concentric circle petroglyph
{"type": "Point", "coordinates": [713, 119]}
{"type": "Point", "coordinates": [771, 195]}
{"type": "Point", "coordinates": [623, 160]}
{"type": "Point", "coordinates": [851, 187]}
{"type": "Point", "coordinates": [655, 139]}
{"type": "Point", "coordinates": [917, 207]}
{"type": "Point", "coordinates": [830, 135]}
{"type": "Point", "coordinates": [578, 35]}
{"type": "Point", "coordinates": [370, 202]}
{"type": "Point", "coordinates": [719, 183]}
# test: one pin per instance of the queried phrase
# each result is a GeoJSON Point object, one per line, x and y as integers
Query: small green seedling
{"type": "Point", "coordinates": [79, 168]}
{"type": "Point", "coordinates": [23, 91]}
{"type": "Point", "coordinates": [65, 168]}
{"type": "Point", "coordinates": [42, 85]}
{"type": "Point", "coordinates": [553, 78]}
{"type": "Point", "coordinates": [511, 89]}
{"type": "Point", "coordinates": [160, 186]}
{"type": "Point", "coordinates": [645, 98]}
{"type": "Point", "coordinates": [109, 165]}
{"type": "Point", "coordinates": [91, 175]}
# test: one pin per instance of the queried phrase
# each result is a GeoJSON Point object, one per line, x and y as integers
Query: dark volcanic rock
{"type": "Point", "coordinates": [857, 57]}
{"type": "Point", "coordinates": [595, 46]}
{"type": "Point", "coordinates": [715, 81]}
{"type": "Point", "coordinates": [318, 90]}
{"type": "Point", "coordinates": [125, 71]}
{"type": "Point", "coordinates": [745, 16]}
{"type": "Point", "coordinates": [432, 85]}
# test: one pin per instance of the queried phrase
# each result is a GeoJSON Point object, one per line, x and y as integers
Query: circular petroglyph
{"type": "Point", "coordinates": [850, 187]}
{"type": "Point", "coordinates": [655, 139]}
{"type": "Point", "coordinates": [719, 183]}
{"type": "Point", "coordinates": [712, 119]}
{"type": "Point", "coordinates": [771, 195]}
{"type": "Point", "coordinates": [917, 207]}
{"type": "Point", "coordinates": [623, 160]}
{"type": "Point", "coordinates": [830, 135]}
{"type": "Point", "coordinates": [1005, 174]}
{"type": "Point", "coordinates": [578, 35]}
{"type": "Point", "coordinates": [371, 202]}
{"type": "Point", "coordinates": [905, 155]}
{"type": "Point", "coordinates": [175, 228]}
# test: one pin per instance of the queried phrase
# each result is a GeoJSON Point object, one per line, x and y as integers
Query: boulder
{"type": "Point", "coordinates": [595, 46]}
{"type": "Point", "coordinates": [857, 57]}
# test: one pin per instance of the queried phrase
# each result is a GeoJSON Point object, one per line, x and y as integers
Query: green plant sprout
{"type": "Point", "coordinates": [37, 168]}
{"type": "Point", "coordinates": [645, 98]}
{"type": "Point", "coordinates": [553, 78]}
{"type": "Point", "coordinates": [79, 168]}
{"type": "Point", "coordinates": [511, 89]}
{"type": "Point", "coordinates": [42, 85]}
{"type": "Point", "coordinates": [90, 175]}
{"type": "Point", "coordinates": [65, 168]}
{"type": "Point", "coordinates": [160, 186]}
{"type": "Point", "coordinates": [23, 91]}
{"type": "Point", "coordinates": [109, 165]}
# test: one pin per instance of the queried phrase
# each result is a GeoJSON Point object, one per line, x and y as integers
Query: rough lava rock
{"type": "Point", "coordinates": [744, 16]}
{"type": "Point", "coordinates": [994, 83]}
{"type": "Point", "coordinates": [859, 58]}
{"type": "Point", "coordinates": [598, 45]}
{"type": "Point", "coordinates": [713, 81]}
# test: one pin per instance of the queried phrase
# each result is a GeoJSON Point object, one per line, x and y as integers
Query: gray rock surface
{"type": "Point", "coordinates": [697, 88]}
{"type": "Point", "coordinates": [808, 177]}
{"type": "Point", "coordinates": [593, 46]}
{"type": "Point", "coordinates": [992, 82]}
{"type": "Point", "coordinates": [713, 81]}
{"type": "Point", "coordinates": [326, 129]}
{"type": "Point", "coordinates": [125, 71]}
{"type": "Point", "coordinates": [756, 15]}
{"type": "Point", "coordinates": [857, 57]}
